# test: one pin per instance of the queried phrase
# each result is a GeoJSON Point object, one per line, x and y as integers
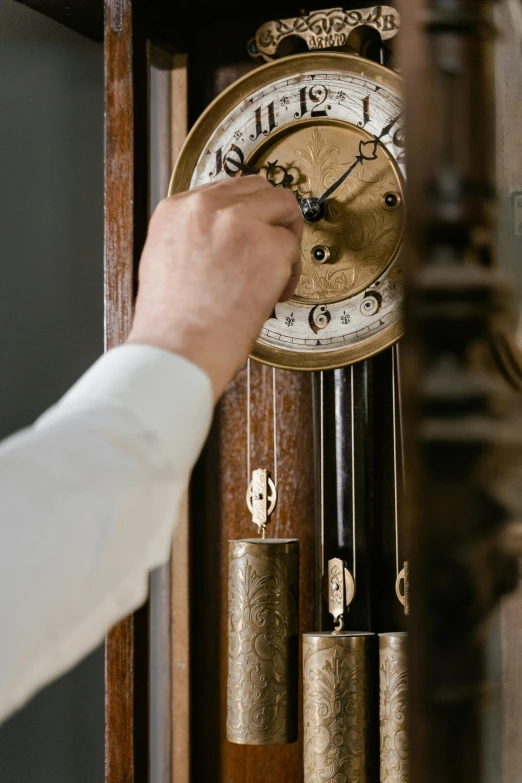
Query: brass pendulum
{"type": "Point", "coordinates": [338, 692]}
{"type": "Point", "coordinates": [263, 585]}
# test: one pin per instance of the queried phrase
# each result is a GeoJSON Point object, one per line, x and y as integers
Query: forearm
{"type": "Point", "coordinates": [90, 496]}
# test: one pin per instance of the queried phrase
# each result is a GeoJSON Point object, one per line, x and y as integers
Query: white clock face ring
{"type": "Point", "coordinates": [329, 128]}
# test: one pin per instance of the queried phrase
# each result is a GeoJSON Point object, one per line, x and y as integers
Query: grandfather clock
{"type": "Point", "coordinates": [377, 421]}
{"type": "Point", "coordinates": [393, 459]}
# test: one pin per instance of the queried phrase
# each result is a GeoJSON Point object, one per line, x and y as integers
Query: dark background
{"type": "Point", "coordinates": [51, 317]}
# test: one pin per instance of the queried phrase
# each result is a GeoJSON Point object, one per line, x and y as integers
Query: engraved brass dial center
{"type": "Point", "coordinates": [361, 224]}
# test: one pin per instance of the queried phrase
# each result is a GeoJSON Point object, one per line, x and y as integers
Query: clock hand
{"type": "Point", "coordinates": [367, 151]}
{"type": "Point", "coordinates": [312, 209]}
{"type": "Point", "coordinates": [271, 168]}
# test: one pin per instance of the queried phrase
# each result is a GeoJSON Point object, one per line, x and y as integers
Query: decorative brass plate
{"type": "Point", "coordinates": [324, 29]}
{"type": "Point", "coordinates": [302, 122]}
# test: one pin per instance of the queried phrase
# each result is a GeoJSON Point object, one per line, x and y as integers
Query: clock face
{"type": "Point", "coordinates": [304, 123]}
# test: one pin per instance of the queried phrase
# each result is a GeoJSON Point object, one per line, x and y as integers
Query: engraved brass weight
{"type": "Point", "coordinates": [263, 641]}
{"type": "Point", "coordinates": [339, 700]}
{"type": "Point", "coordinates": [393, 708]}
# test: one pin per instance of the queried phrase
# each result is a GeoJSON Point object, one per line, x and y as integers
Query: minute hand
{"type": "Point", "coordinates": [367, 151]}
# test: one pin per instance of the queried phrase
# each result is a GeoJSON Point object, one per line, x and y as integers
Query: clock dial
{"type": "Point", "coordinates": [328, 127]}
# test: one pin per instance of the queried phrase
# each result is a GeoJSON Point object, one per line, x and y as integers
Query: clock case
{"type": "Point", "coordinates": [165, 664]}
{"type": "Point", "coordinates": [190, 626]}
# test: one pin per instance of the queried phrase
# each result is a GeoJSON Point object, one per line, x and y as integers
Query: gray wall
{"type": "Point", "coordinates": [51, 213]}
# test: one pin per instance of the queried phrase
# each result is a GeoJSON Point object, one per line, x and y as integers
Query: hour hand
{"type": "Point", "coordinates": [275, 174]}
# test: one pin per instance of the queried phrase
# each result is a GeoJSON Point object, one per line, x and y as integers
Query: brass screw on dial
{"type": "Point", "coordinates": [391, 200]}
{"type": "Point", "coordinates": [320, 254]}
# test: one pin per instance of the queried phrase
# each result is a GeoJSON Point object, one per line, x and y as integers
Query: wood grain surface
{"type": "Point", "coordinates": [126, 193]}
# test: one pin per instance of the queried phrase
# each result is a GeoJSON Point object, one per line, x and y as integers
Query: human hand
{"type": "Point", "coordinates": [216, 260]}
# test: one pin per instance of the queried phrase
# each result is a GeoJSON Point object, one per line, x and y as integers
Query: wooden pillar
{"type": "Point", "coordinates": [126, 213]}
{"type": "Point", "coordinates": [457, 444]}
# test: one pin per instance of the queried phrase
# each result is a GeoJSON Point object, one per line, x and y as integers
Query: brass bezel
{"type": "Point", "coordinates": [203, 129]}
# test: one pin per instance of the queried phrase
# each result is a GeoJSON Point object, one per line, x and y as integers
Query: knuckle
{"type": "Point", "coordinates": [199, 200]}
{"type": "Point", "coordinates": [234, 218]}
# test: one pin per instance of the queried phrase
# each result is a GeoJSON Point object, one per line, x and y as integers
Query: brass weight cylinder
{"type": "Point", "coordinates": [393, 708]}
{"type": "Point", "coordinates": [339, 702]}
{"type": "Point", "coordinates": [263, 584]}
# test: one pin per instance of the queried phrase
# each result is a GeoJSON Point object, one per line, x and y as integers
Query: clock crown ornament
{"type": "Point", "coordinates": [323, 29]}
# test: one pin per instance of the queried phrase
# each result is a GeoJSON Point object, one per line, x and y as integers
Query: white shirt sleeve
{"type": "Point", "coordinates": [89, 497]}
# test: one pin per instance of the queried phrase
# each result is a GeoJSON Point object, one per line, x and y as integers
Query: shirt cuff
{"type": "Point", "coordinates": [168, 393]}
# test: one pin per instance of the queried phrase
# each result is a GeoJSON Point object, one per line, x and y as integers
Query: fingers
{"type": "Point", "coordinates": [256, 196]}
{"type": "Point", "coordinates": [293, 281]}
{"type": "Point", "coordinates": [284, 246]}
{"type": "Point", "coordinates": [277, 222]}
{"type": "Point", "coordinates": [275, 206]}
{"type": "Point", "coordinates": [230, 188]}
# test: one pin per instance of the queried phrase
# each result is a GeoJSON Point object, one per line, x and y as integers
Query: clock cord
{"type": "Point", "coordinates": [352, 428]}
{"type": "Point", "coordinates": [395, 477]}
{"type": "Point", "coordinates": [321, 462]}
{"type": "Point", "coordinates": [399, 480]}
{"type": "Point", "coordinates": [274, 429]}
{"type": "Point", "coordinates": [249, 474]}
{"type": "Point", "coordinates": [399, 400]}
{"type": "Point", "coordinates": [274, 432]}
